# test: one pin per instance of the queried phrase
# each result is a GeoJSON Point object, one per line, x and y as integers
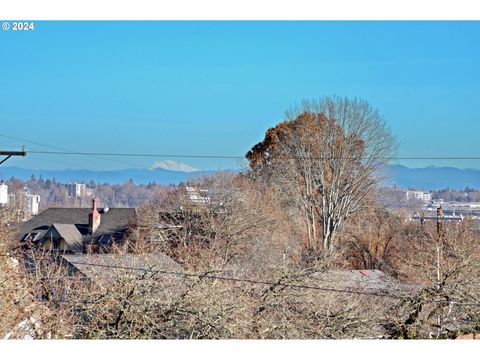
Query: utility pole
{"type": "Point", "coordinates": [9, 154]}
{"type": "Point", "coordinates": [439, 268]}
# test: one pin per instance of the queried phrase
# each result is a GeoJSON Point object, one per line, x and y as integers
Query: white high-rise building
{"type": "Point", "coordinates": [76, 190]}
{"type": "Point", "coordinates": [3, 194]}
{"type": "Point", "coordinates": [31, 203]}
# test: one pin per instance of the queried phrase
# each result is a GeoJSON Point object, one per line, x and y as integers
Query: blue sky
{"type": "Point", "coordinates": [216, 87]}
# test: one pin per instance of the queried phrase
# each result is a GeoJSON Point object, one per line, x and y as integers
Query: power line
{"type": "Point", "coordinates": [56, 162]}
{"type": "Point", "coordinates": [250, 281]}
{"type": "Point", "coordinates": [232, 279]}
{"type": "Point", "coordinates": [66, 150]}
{"type": "Point", "coordinates": [259, 282]}
{"type": "Point", "coordinates": [242, 157]}
{"type": "Point", "coordinates": [140, 155]}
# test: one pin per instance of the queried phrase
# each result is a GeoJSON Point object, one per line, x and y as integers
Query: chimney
{"type": "Point", "coordinates": [93, 218]}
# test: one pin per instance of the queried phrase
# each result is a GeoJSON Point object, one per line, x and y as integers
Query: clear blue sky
{"type": "Point", "coordinates": [215, 87]}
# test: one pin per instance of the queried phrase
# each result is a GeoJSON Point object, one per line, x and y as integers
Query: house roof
{"type": "Point", "coordinates": [70, 234]}
{"type": "Point", "coordinates": [113, 222]}
{"type": "Point", "coordinates": [112, 265]}
{"type": "Point", "coordinates": [362, 280]}
{"type": "Point", "coordinates": [158, 271]}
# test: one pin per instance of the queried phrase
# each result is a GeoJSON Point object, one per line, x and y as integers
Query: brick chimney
{"type": "Point", "coordinates": [93, 218]}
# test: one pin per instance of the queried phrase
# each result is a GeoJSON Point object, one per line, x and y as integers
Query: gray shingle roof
{"type": "Point", "coordinates": [363, 280]}
{"type": "Point", "coordinates": [71, 235]}
{"type": "Point", "coordinates": [111, 265]}
{"type": "Point", "coordinates": [114, 222]}
{"type": "Point", "coordinates": [110, 268]}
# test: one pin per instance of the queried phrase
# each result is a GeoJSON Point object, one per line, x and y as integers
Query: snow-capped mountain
{"type": "Point", "coordinates": [173, 166]}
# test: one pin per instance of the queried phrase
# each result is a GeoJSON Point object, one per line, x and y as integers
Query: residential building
{"type": "Point", "coordinates": [3, 194]}
{"type": "Point", "coordinates": [419, 195]}
{"type": "Point", "coordinates": [27, 202]}
{"type": "Point", "coordinates": [32, 203]}
{"type": "Point", "coordinates": [72, 229]}
{"type": "Point", "coordinates": [76, 190]}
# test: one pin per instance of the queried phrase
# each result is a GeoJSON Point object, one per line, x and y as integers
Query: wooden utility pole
{"type": "Point", "coordinates": [438, 264]}
{"type": "Point", "coordinates": [9, 154]}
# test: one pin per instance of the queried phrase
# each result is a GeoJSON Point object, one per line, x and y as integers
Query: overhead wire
{"type": "Point", "coordinates": [104, 155]}
{"type": "Point", "coordinates": [65, 150]}
{"type": "Point", "coordinates": [204, 156]}
{"type": "Point", "coordinates": [251, 281]}
{"type": "Point", "coordinates": [227, 278]}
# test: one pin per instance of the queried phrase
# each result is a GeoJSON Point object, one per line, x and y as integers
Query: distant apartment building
{"type": "Point", "coordinates": [76, 190]}
{"type": "Point", "coordinates": [418, 195]}
{"type": "Point", "coordinates": [26, 201]}
{"type": "Point", "coordinates": [3, 194]}
{"type": "Point", "coordinates": [31, 203]}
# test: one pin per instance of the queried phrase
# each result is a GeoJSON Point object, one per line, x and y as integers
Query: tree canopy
{"type": "Point", "coordinates": [325, 157]}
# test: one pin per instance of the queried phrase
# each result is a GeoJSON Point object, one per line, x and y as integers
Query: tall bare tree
{"type": "Point", "coordinates": [326, 158]}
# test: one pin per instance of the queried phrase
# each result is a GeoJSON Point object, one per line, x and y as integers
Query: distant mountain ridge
{"type": "Point", "coordinates": [430, 178]}
{"type": "Point", "coordinates": [139, 176]}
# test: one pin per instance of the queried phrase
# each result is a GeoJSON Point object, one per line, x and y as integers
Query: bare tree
{"type": "Point", "coordinates": [445, 308]}
{"type": "Point", "coordinates": [31, 298]}
{"type": "Point", "coordinates": [372, 239]}
{"type": "Point", "coordinates": [326, 158]}
{"type": "Point", "coordinates": [240, 222]}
